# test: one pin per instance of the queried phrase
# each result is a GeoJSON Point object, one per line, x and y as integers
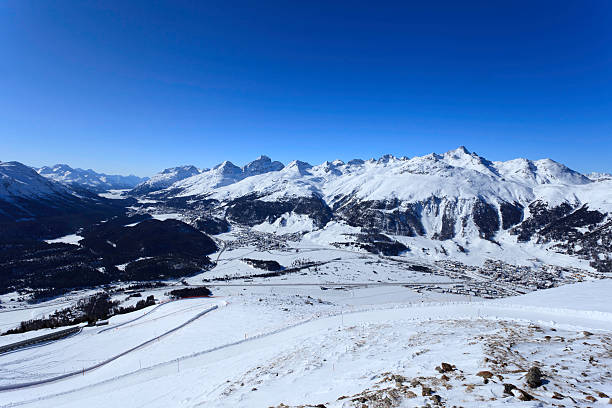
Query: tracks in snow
{"type": "Point", "coordinates": [113, 358]}
{"type": "Point", "coordinates": [416, 312]}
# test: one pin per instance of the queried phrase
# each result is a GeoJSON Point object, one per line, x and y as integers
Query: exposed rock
{"type": "Point", "coordinates": [508, 388]}
{"type": "Point", "coordinates": [445, 368]}
{"type": "Point", "coordinates": [558, 396]}
{"type": "Point", "coordinates": [534, 377]}
{"type": "Point", "coordinates": [485, 374]}
{"type": "Point", "coordinates": [426, 391]}
{"type": "Point", "coordinates": [164, 179]}
{"type": "Point", "coordinates": [522, 395]}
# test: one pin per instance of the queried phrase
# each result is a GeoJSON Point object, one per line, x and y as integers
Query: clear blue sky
{"type": "Point", "coordinates": [137, 86]}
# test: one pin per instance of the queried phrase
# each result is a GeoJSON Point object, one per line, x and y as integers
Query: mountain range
{"type": "Point", "coordinates": [88, 178]}
{"type": "Point", "coordinates": [457, 197]}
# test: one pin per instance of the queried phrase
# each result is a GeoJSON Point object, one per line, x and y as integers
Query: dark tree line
{"type": "Point", "coordinates": [89, 310]}
{"type": "Point", "coordinates": [190, 292]}
{"type": "Point", "coordinates": [173, 249]}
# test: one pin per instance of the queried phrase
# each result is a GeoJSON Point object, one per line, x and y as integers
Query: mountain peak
{"type": "Point", "coordinates": [228, 168]}
{"type": "Point", "coordinates": [225, 163]}
{"type": "Point", "coordinates": [596, 176]}
{"type": "Point", "coordinates": [299, 166]}
{"type": "Point", "coordinates": [263, 164]}
{"type": "Point", "coordinates": [165, 178]}
{"type": "Point", "coordinates": [460, 151]}
{"type": "Point", "coordinates": [172, 170]}
{"type": "Point", "coordinates": [355, 162]}
{"type": "Point", "coordinates": [386, 158]}
{"type": "Point", "coordinates": [19, 180]}
{"type": "Point", "coordinates": [88, 179]}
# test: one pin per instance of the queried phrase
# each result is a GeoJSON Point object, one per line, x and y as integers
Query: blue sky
{"type": "Point", "coordinates": [134, 87]}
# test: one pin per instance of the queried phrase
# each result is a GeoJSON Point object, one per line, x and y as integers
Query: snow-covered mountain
{"type": "Point", "coordinates": [457, 173]}
{"type": "Point", "coordinates": [18, 181]}
{"type": "Point", "coordinates": [457, 196]}
{"type": "Point", "coordinates": [599, 176]}
{"type": "Point", "coordinates": [88, 178]}
{"type": "Point", "coordinates": [225, 174]}
{"type": "Point", "coordinates": [25, 194]}
{"type": "Point", "coordinates": [165, 179]}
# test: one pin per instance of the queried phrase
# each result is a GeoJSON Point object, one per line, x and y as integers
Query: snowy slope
{"type": "Point", "coordinates": [165, 179]}
{"type": "Point", "coordinates": [455, 174]}
{"type": "Point", "coordinates": [89, 178]}
{"type": "Point", "coordinates": [264, 349]}
{"type": "Point", "coordinates": [224, 174]}
{"type": "Point", "coordinates": [20, 181]}
{"type": "Point", "coordinates": [25, 194]}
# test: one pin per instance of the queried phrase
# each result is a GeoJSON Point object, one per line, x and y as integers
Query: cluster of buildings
{"type": "Point", "coordinates": [496, 278]}
{"type": "Point", "coordinates": [262, 241]}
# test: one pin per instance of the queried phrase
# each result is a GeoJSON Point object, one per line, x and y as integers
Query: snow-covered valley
{"type": "Point", "coordinates": [354, 330]}
{"type": "Point", "coordinates": [337, 285]}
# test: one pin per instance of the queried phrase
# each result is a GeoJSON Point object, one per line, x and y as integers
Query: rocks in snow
{"type": "Point", "coordinates": [534, 377]}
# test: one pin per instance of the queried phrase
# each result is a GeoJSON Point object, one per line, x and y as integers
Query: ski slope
{"type": "Point", "coordinates": [265, 349]}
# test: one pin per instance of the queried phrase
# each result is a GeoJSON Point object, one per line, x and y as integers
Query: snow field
{"type": "Point", "coordinates": [300, 357]}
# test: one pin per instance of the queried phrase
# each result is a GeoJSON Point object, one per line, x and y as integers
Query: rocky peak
{"type": "Point", "coordinates": [227, 168]}
{"type": "Point", "coordinates": [19, 180]}
{"type": "Point", "coordinates": [355, 162]}
{"type": "Point", "coordinates": [298, 166]}
{"type": "Point", "coordinates": [263, 164]}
